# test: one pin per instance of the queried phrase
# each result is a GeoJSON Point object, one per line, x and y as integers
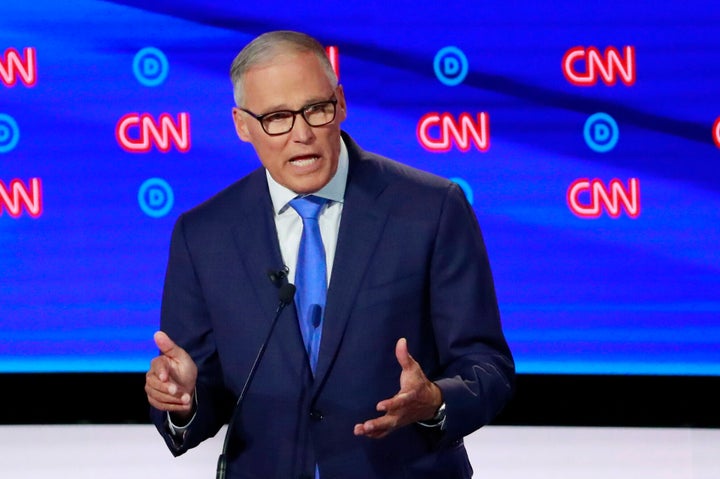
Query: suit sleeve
{"type": "Point", "coordinates": [185, 318]}
{"type": "Point", "coordinates": [478, 372]}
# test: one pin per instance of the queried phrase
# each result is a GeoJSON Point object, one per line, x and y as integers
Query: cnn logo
{"type": "Point", "coordinates": [589, 198]}
{"type": "Point", "coordinates": [18, 197]}
{"type": "Point", "coordinates": [14, 67]}
{"type": "Point", "coordinates": [608, 67]}
{"type": "Point", "coordinates": [437, 132]}
{"type": "Point", "coordinates": [137, 133]}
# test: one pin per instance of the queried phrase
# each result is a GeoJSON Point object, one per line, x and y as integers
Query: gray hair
{"type": "Point", "coordinates": [268, 45]}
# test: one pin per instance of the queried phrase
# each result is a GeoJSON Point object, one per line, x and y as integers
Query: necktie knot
{"type": "Point", "coordinates": [308, 207]}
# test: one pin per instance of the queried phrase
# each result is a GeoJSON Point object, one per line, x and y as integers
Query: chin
{"type": "Point", "coordinates": [308, 186]}
{"type": "Point", "coordinates": [306, 189]}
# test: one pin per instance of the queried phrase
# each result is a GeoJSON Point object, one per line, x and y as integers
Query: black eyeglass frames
{"type": "Point", "coordinates": [282, 121]}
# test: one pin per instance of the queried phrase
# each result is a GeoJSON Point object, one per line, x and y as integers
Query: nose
{"type": "Point", "coordinates": [302, 132]}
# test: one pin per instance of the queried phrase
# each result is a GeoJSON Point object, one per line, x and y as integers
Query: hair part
{"type": "Point", "coordinates": [269, 45]}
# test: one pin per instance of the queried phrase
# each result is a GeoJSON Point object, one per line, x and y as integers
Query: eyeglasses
{"type": "Point", "coordinates": [280, 122]}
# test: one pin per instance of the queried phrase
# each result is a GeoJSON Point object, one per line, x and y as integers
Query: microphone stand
{"type": "Point", "coordinates": [286, 293]}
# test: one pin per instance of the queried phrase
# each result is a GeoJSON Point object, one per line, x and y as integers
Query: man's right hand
{"type": "Point", "coordinates": [170, 382]}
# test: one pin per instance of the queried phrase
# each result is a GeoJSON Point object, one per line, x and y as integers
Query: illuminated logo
{"type": "Point", "coordinates": [150, 66]}
{"type": "Point", "coordinates": [601, 132]}
{"type": "Point", "coordinates": [333, 54]}
{"type": "Point", "coordinates": [450, 65]}
{"type": "Point", "coordinates": [463, 131]}
{"type": "Point", "coordinates": [9, 133]}
{"type": "Point", "coordinates": [465, 186]}
{"type": "Point", "coordinates": [156, 197]}
{"type": "Point", "coordinates": [18, 198]}
{"type": "Point", "coordinates": [716, 132]}
{"type": "Point", "coordinates": [588, 198]}
{"type": "Point", "coordinates": [136, 132]}
{"type": "Point", "coordinates": [12, 66]}
{"type": "Point", "coordinates": [607, 68]}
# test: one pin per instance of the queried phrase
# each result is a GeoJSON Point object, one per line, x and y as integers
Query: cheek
{"type": "Point", "coordinates": [270, 155]}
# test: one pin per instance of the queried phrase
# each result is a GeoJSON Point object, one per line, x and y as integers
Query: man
{"type": "Point", "coordinates": [404, 355]}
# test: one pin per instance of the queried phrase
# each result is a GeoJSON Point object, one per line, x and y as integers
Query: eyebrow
{"type": "Point", "coordinates": [311, 101]}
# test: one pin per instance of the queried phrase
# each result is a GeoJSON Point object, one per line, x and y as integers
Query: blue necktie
{"type": "Point", "coordinates": [310, 275]}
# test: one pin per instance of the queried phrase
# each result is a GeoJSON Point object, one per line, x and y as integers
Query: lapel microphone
{"type": "Point", "coordinates": [278, 277]}
{"type": "Point", "coordinates": [285, 296]}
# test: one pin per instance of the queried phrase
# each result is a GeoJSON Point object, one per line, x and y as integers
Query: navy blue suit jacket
{"type": "Point", "coordinates": [410, 262]}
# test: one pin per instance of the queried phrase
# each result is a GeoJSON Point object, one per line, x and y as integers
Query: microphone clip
{"type": "Point", "coordinates": [278, 277]}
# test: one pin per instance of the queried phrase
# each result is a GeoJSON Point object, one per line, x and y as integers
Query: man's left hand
{"type": "Point", "coordinates": [418, 399]}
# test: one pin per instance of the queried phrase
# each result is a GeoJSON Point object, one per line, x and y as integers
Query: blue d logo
{"type": "Point", "coordinates": [9, 133]}
{"type": "Point", "coordinates": [156, 197]}
{"type": "Point", "coordinates": [150, 66]}
{"type": "Point", "coordinates": [601, 132]}
{"type": "Point", "coordinates": [451, 66]}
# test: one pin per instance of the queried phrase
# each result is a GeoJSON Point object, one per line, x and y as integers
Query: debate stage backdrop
{"type": "Point", "coordinates": [586, 135]}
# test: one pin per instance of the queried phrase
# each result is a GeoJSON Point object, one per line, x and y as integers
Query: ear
{"type": "Point", "coordinates": [341, 106]}
{"type": "Point", "coordinates": [241, 127]}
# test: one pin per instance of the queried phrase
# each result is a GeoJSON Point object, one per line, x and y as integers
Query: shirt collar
{"type": "Point", "coordinates": [333, 191]}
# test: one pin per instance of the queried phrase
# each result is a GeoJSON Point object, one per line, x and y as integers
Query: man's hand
{"type": "Point", "coordinates": [417, 400]}
{"type": "Point", "coordinates": [170, 382]}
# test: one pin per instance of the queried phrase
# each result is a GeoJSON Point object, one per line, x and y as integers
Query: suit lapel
{"type": "Point", "coordinates": [362, 223]}
{"type": "Point", "coordinates": [256, 239]}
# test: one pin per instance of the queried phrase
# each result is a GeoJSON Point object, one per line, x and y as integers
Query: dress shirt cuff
{"type": "Point", "coordinates": [179, 431]}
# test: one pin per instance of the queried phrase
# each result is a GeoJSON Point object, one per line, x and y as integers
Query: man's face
{"type": "Point", "coordinates": [306, 158]}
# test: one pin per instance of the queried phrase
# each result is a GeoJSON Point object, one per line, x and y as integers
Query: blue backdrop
{"type": "Point", "coordinates": [594, 169]}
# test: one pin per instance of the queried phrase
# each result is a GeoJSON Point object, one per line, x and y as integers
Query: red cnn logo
{"type": "Point", "coordinates": [12, 66]}
{"type": "Point", "coordinates": [136, 132]}
{"type": "Point", "coordinates": [333, 54]}
{"type": "Point", "coordinates": [587, 198]}
{"type": "Point", "coordinates": [607, 68]}
{"type": "Point", "coordinates": [19, 197]}
{"type": "Point", "coordinates": [462, 131]}
{"type": "Point", "coordinates": [716, 132]}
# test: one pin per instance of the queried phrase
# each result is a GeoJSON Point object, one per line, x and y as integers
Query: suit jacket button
{"type": "Point", "coordinates": [316, 415]}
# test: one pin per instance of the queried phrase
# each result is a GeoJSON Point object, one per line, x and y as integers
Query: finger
{"type": "Point", "coordinates": [160, 368]}
{"type": "Point", "coordinates": [158, 377]}
{"type": "Point", "coordinates": [403, 356]}
{"type": "Point", "coordinates": [359, 430]}
{"type": "Point", "coordinates": [169, 389]}
{"type": "Point", "coordinates": [167, 346]}
{"type": "Point", "coordinates": [164, 386]}
{"type": "Point", "coordinates": [165, 401]}
{"type": "Point", "coordinates": [398, 401]}
{"type": "Point", "coordinates": [378, 427]}
{"type": "Point", "coordinates": [170, 407]}
{"type": "Point", "coordinates": [383, 424]}
{"type": "Point", "coordinates": [372, 434]}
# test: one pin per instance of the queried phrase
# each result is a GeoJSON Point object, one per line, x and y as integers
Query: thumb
{"type": "Point", "coordinates": [403, 356]}
{"type": "Point", "coordinates": [166, 345]}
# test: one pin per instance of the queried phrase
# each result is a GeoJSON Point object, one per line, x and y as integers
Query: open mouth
{"type": "Point", "coordinates": [304, 160]}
